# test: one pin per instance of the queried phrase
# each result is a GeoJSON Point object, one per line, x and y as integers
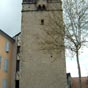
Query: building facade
{"type": "Point", "coordinates": [75, 82]}
{"type": "Point", "coordinates": [41, 66]}
{"type": "Point", "coordinates": [6, 59]}
{"type": "Point", "coordinates": [16, 64]}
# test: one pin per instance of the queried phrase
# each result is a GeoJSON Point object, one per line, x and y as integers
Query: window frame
{"type": "Point", "coordinates": [6, 65]}
{"type": "Point", "coordinates": [7, 46]}
{"type": "Point", "coordinates": [4, 83]}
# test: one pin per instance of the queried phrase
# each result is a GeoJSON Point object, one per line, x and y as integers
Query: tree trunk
{"type": "Point", "coordinates": [79, 70]}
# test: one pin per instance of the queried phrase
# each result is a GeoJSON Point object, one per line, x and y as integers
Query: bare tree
{"type": "Point", "coordinates": [76, 32]}
{"type": "Point", "coordinates": [76, 24]}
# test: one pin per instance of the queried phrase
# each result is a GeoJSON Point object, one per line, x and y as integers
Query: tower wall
{"type": "Point", "coordinates": [40, 68]}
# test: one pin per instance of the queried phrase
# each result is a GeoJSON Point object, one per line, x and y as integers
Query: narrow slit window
{"type": "Point", "coordinates": [17, 65]}
{"type": "Point", "coordinates": [18, 49]}
{"type": "Point", "coordinates": [44, 7]}
{"type": "Point", "coordinates": [17, 84]}
{"type": "Point", "coordinates": [39, 8]}
{"type": "Point", "coordinates": [42, 21]}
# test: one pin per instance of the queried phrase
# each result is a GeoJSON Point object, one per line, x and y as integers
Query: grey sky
{"type": "Point", "coordinates": [10, 16]}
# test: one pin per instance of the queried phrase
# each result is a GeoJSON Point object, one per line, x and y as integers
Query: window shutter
{"type": "Point", "coordinates": [7, 47]}
{"type": "Point", "coordinates": [4, 83]}
{"type": "Point", "coordinates": [6, 65]}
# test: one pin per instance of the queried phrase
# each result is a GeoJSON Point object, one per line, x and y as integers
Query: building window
{"type": "Point", "coordinates": [7, 47]}
{"type": "Point", "coordinates": [4, 84]}
{"type": "Point", "coordinates": [44, 7]}
{"type": "Point", "coordinates": [0, 60]}
{"type": "Point", "coordinates": [17, 65]}
{"type": "Point", "coordinates": [39, 7]}
{"type": "Point", "coordinates": [6, 65]}
{"type": "Point", "coordinates": [18, 49]}
{"type": "Point", "coordinates": [42, 21]}
{"type": "Point", "coordinates": [17, 84]}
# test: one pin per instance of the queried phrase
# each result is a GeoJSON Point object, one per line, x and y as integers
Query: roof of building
{"type": "Point", "coordinates": [17, 34]}
{"type": "Point", "coordinates": [75, 82]}
{"type": "Point", "coordinates": [6, 35]}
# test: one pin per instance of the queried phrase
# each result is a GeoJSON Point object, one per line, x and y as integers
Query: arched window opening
{"type": "Point", "coordinates": [44, 7]}
{"type": "Point", "coordinates": [39, 7]}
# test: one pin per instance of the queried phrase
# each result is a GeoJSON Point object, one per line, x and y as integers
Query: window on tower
{"type": "Point", "coordinates": [39, 7]}
{"type": "Point", "coordinates": [29, 1]}
{"type": "Point", "coordinates": [42, 21]}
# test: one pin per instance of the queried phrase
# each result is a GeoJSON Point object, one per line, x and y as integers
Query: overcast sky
{"type": "Point", "coordinates": [71, 63]}
{"type": "Point", "coordinates": [10, 16]}
{"type": "Point", "coordinates": [10, 22]}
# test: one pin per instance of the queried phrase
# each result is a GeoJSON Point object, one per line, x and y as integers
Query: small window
{"type": "Point", "coordinates": [44, 7]}
{"type": "Point", "coordinates": [4, 83]}
{"type": "Point", "coordinates": [18, 49]}
{"type": "Point", "coordinates": [42, 21]}
{"type": "Point", "coordinates": [17, 84]}
{"type": "Point", "coordinates": [6, 65]}
{"type": "Point", "coordinates": [7, 47]}
{"type": "Point", "coordinates": [0, 61]}
{"type": "Point", "coordinates": [17, 65]}
{"type": "Point", "coordinates": [39, 7]}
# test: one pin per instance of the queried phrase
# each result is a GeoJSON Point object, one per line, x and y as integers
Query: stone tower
{"type": "Point", "coordinates": [40, 68]}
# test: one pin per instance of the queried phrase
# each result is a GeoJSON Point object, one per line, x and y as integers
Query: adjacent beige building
{"type": "Point", "coordinates": [41, 68]}
{"type": "Point", "coordinates": [6, 60]}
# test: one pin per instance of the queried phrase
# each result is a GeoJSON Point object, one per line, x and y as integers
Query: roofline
{"type": "Point", "coordinates": [17, 34]}
{"type": "Point", "coordinates": [6, 35]}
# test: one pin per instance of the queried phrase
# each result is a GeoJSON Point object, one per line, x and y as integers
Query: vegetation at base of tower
{"type": "Point", "coordinates": [76, 30]}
